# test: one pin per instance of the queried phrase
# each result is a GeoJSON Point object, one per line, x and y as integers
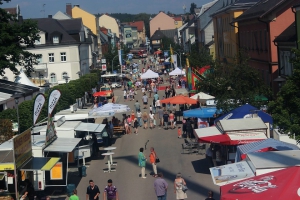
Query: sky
{"type": "Point", "coordinates": [34, 8]}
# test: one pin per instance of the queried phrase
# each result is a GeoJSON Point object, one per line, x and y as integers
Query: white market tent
{"type": "Point", "coordinates": [23, 79]}
{"type": "Point", "coordinates": [177, 71]}
{"type": "Point", "coordinates": [202, 96]}
{"type": "Point", "coordinates": [149, 74]}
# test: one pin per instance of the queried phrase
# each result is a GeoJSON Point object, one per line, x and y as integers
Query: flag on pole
{"type": "Point", "coordinates": [171, 52]}
{"type": "Point", "coordinates": [174, 59]}
{"type": "Point", "coordinates": [120, 52]}
{"type": "Point", "coordinates": [39, 101]}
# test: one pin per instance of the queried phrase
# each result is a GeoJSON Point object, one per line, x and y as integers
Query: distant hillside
{"type": "Point", "coordinates": [125, 17]}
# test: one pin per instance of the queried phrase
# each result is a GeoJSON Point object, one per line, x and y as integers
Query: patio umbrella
{"type": "Point", "coordinates": [179, 100]}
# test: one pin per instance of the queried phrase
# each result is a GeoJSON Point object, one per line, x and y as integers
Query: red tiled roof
{"type": "Point", "coordinates": [138, 24]}
{"type": "Point", "coordinates": [177, 18]}
{"type": "Point", "coordinates": [11, 10]}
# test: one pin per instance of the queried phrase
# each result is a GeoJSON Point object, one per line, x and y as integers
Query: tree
{"type": "Point", "coordinates": [15, 37]}
{"type": "Point", "coordinates": [233, 84]}
{"type": "Point", "coordinates": [5, 130]}
{"type": "Point", "coordinates": [192, 8]}
{"type": "Point", "coordinates": [199, 58]}
{"type": "Point", "coordinates": [285, 109]}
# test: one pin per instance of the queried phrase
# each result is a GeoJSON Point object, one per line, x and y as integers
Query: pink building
{"type": "Point", "coordinates": [161, 21]}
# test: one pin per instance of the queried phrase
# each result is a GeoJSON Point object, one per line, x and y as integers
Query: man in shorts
{"type": "Point", "coordinates": [92, 191]}
{"type": "Point", "coordinates": [160, 114]}
{"type": "Point", "coordinates": [145, 100]}
{"type": "Point", "coordinates": [110, 191]}
{"type": "Point", "coordinates": [166, 120]}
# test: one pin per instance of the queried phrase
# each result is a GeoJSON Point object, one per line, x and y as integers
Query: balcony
{"type": "Point", "coordinates": [40, 67]}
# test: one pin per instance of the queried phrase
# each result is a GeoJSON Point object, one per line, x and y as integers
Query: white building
{"type": "Point", "coordinates": [65, 49]}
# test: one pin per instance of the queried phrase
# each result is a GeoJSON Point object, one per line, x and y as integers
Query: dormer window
{"type": "Point", "coordinates": [55, 40]}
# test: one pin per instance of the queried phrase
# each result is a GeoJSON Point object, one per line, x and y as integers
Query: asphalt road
{"type": "Point", "coordinates": [193, 167]}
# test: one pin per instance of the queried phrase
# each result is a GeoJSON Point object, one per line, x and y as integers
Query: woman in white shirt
{"type": "Point", "coordinates": [151, 116]}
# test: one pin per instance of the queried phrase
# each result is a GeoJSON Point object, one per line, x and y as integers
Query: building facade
{"type": "Point", "coordinates": [161, 21]}
{"type": "Point", "coordinates": [111, 23]}
{"type": "Point", "coordinates": [141, 31]}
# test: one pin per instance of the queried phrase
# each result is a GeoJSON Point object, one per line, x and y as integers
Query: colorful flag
{"type": "Point", "coordinates": [53, 99]}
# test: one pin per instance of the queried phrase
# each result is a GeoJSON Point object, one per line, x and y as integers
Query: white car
{"type": "Point", "coordinates": [113, 85]}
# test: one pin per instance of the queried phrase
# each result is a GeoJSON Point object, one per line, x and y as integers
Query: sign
{"type": "Point", "coordinates": [37, 106]}
{"type": "Point", "coordinates": [225, 174]}
{"type": "Point", "coordinates": [53, 99]}
{"type": "Point", "coordinates": [56, 173]}
{"type": "Point", "coordinates": [8, 166]}
{"type": "Point", "coordinates": [202, 123]}
{"type": "Point", "coordinates": [128, 33]}
{"type": "Point", "coordinates": [166, 54]}
{"type": "Point", "coordinates": [22, 148]}
{"type": "Point", "coordinates": [50, 132]}
{"type": "Point", "coordinates": [104, 67]}
{"type": "Point", "coordinates": [103, 61]}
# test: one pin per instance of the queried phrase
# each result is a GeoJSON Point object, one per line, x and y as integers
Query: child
{"type": "Point", "coordinates": [179, 132]}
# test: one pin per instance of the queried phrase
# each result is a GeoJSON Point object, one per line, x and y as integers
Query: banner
{"type": "Point", "coordinates": [22, 148]}
{"type": "Point", "coordinates": [53, 99]}
{"type": "Point", "coordinates": [37, 106]}
{"type": "Point", "coordinates": [104, 67]}
{"type": "Point", "coordinates": [171, 53]}
{"type": "Point", "coordinates": [120, 52]}
{"type": "Point", "coordinates": [174, 60]}
{"type": "Point", "coordinates": [50, 132]}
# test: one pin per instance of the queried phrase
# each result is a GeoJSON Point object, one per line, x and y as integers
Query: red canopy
{"type": "Point", "coordinates": [243, 156]}
{"type": "Point", "coordinates": [233, 139]}
{"type": "Point", "coordinates": [179, 100]}
{"type": "Point", "coordinates": [281, 184]}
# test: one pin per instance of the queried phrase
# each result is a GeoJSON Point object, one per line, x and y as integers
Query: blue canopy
{"type": "Point", "coordinates": [244, 111]}
{"type": "Point", "coordinates": [201, 112]}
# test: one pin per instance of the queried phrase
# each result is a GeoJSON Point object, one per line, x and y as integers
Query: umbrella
{"type": "Point", "coordinates": [177, 71]}
{"type": "Point", "coordinates": [179, 100]}
{"type": "Point", "coordinates": [281, 184]}
{"type": "Point", "coordinates": [201, 112]}
{"type": "Point", "coordinates": [202, 96]}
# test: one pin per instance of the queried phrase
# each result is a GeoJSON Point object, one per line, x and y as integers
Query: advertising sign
{"type": "Point", "coordinates": [166, 54]}
{"type": "Point", "coordinates": [103, 61]}
{"type": "Point", "coordinates": [37, 106]}
{"type": "Point", "coordinates": [225, 174]}
{"type": "Point", "coordinates": [22, 148]}
{"type": "Point", "coordinates": [56, 173]}
{"type": "Point", "coordinates": [202, 123]}
{"type": "Point", "coordinates": [50, 132]}
{"type": "Point", "coordinates": [53, 99]}
{"type": "Point", "coordinates": [103, 67]}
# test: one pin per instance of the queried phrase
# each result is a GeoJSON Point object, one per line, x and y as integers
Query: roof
{"type": "Point", "coordinates": [288, 35]}
{"type": "Point", "coordinates": [241, 124]}
{"type": "Point", "coordinates": [205, 7]}
{"type": "Point", "coordinates": [139, 24]}
{"type": "Point", "coordinates": [67, 125]}
{"type": "Point", "coordinates": [11, 10]}
{"type": "Point", "coordinates": [23, 79]}
{"type": "Point", "coordinates": [177, 18]}
{"type": "Point", "coordinates": [171, 33]}
{"type": "Point", "coordinates": [157, 35]}
{"type": "Point", "coordinates": [72, 26]}
{"type": "Point", "coordinates": [237, 5]}
{"type": "Point", "coordinates": [4, 97]}
{"type": "Point", "coordinates": [65, 145]}
{"type": "Point", "coordinates": [274, 159]}
{"type": "Point", "coordinates": [260, 9]}
{"type": "Point", "coordinates": [11, 87]}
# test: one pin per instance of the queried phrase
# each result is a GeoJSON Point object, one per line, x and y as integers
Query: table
{"type": "Point", "coordinates": [109, 149]}
{"type": "Point", "coordinates": [109, 158]}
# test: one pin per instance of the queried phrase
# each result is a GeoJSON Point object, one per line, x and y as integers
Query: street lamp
{"type": "Point", "coordinates": [79, 74]}
{"type": "Point", "coordinates": [16, 96]}
{"type": "Point", "coordinates": [279, 80]}
{"type": "Point", "coordinates": [66, 78]}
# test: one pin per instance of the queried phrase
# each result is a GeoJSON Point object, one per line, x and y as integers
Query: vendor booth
{"type": "Point", "coordinates": [177, 71]}
{"type": "Point", "coordinates": [269, 144]}
{"type": "Point", "coordinates": [18, 163]}
{"type": "Point", "coordinates": [201, 112]}
{"type": "Point", "coordinates": [282, 184]}
{"type": "Point", "coordinates": [202, 97]}
{"type": "Point", "coordinates": [149, 74]}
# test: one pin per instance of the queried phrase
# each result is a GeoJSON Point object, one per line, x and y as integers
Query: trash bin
{"type": "Point", "coordinates": [70, 189]}
{"type": "Point", "coordinates": [83, 172]}
{"type": "Point", "coordinates": [80, 171]}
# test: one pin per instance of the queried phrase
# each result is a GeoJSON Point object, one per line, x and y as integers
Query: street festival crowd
{"type": "Point", "coordinates": [150, 113]}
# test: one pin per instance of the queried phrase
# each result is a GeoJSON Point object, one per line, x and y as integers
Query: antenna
{"type": "Point", "coordinates": [43, 9]}
{"type": "Point", "coordinates": [184, 8]}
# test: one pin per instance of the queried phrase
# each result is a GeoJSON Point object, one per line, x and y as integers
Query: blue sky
{"type": "Point", "coordinates": [33, 8]}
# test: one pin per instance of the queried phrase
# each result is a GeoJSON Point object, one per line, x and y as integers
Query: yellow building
{"type": "Point", "coordinates": [110, 23]}
{"type": "Point", "coordinates": [225, 32]}
{"type": "Point", "coordinates": [88, 19]}
{"type": "Point", "coordinates": [178, 22]}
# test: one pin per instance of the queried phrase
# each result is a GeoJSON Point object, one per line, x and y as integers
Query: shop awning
{"type": "Point", "coordinates": [89, 127]}
{"type": "Point", "coordinates": [36, 163]}
{"type": "Point", "coordinates": [64, 145]}
{"type": "Point", "coordinates": [206, 132]}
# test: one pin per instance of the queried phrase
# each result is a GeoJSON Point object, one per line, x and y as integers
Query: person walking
{"type": "Point", "coordinates": [132, 115]}
{"type": "Point", "coordinates": [166, 120]}
{"type": "Point", "coordinates": [160, 114]}
{"type": "Point", "coordinates": [153, 161]}
{"type": "Point", "coordinates": [137, 105]}
{"type": "Point", "coordinates": [171, 117]}
{"type": "Point", "coordinates": [110, 191]}
{"type": "Point", "coordinates": [74, 196]}
{"type": "Point", "coordinates": [145, 119]}
{"type": "Point", "coordinates": [139, 117]}
{"type": "Point", "coordinates": [92, 191]}
{"type": "Point", "coordinates": [178, 183]}
{"type": "Point", "coordinates": [136, 125]}
{"type": "Point", "coordinates": [160, 187]}
{"type": "Point", "coordinates": [145, 100]}
{"type": "Point", "coordinates": [152, 118]}
{"type": "Point", "coordinates": [142, 162]}
{"type": "Point", "coordinates": [210, 196]}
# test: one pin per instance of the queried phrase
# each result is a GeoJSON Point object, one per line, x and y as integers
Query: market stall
{"type": "Point", "coordinates": [177, 71]}
{"type": "Point", "coordinates": [149, 74]}
{"type": "Point", "coordinates": [202, 97]}
{"type": "Point", "coordinates": [201, 112]}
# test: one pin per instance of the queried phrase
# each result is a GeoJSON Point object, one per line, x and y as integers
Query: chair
{"type": "Point", "coordinates": [201, 149]}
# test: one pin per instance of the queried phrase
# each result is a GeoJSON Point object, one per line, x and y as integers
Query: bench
{"type": "Point", "coordinates": [119, 129]}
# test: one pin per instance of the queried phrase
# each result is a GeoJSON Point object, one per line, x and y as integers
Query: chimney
{"type": "Point", "coordinates": [158, 28]}
{"type": "Point", "coordinates": [49, 16]}
{"type": "Point", "coordinates": [69, 9]}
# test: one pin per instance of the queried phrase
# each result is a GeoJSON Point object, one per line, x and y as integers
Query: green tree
{"type": "Point", "coordinates": [15, 37]}
{"type": "Point", "coordinates": [192, 8]}
{"type": "Point", "coordinates": [5, 130]}
{"type": "Point", "coordinates": [199, 58]}
{"type": "Point", "coordinates": [285, 109]}
{"type": "Point", "coordinates": [233, 84]}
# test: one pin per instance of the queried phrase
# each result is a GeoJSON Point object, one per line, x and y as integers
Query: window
{"type": "Point", "coordinates": [64, 74]}
{"type": "Point", "coordinates": [51, 57]}
{"type": "Point", "coordinates": [176, 23]}
{"type": "Point", "coordinates": [53, 78]}
{"type": "Point", "coordinates": [63, 57]}
{"type": "Point", "coordinates": [55, 40]}
{"type": "Point", "coordinates": [37, 41]}
{"type": "Point", "coordinates": [40, 59]}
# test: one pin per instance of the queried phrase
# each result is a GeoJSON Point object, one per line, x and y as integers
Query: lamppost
{"type": "Point", "coordinates": [112, 63]}
{"type": "Point", "coordinates": [16, 96]}
{"type": "Point", "coordinates": [279, 80]}
{"type": "Point", "coordinates": [66, 78]}
{"type": "Point", "coordinates": [79, 74]}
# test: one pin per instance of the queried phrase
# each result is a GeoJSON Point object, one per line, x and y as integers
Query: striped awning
{"type": "Point", "coordinates": [36, 163]}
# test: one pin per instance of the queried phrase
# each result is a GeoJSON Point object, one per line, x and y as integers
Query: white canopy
{"type": "Point", "coordinates": [202, 96]}
{"type": "Point", "coordinates": [149, 74]}
{"type": "Point", "coordinates": [177, 71]}
{"type": "Point", "coordinates": [23, 79]}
